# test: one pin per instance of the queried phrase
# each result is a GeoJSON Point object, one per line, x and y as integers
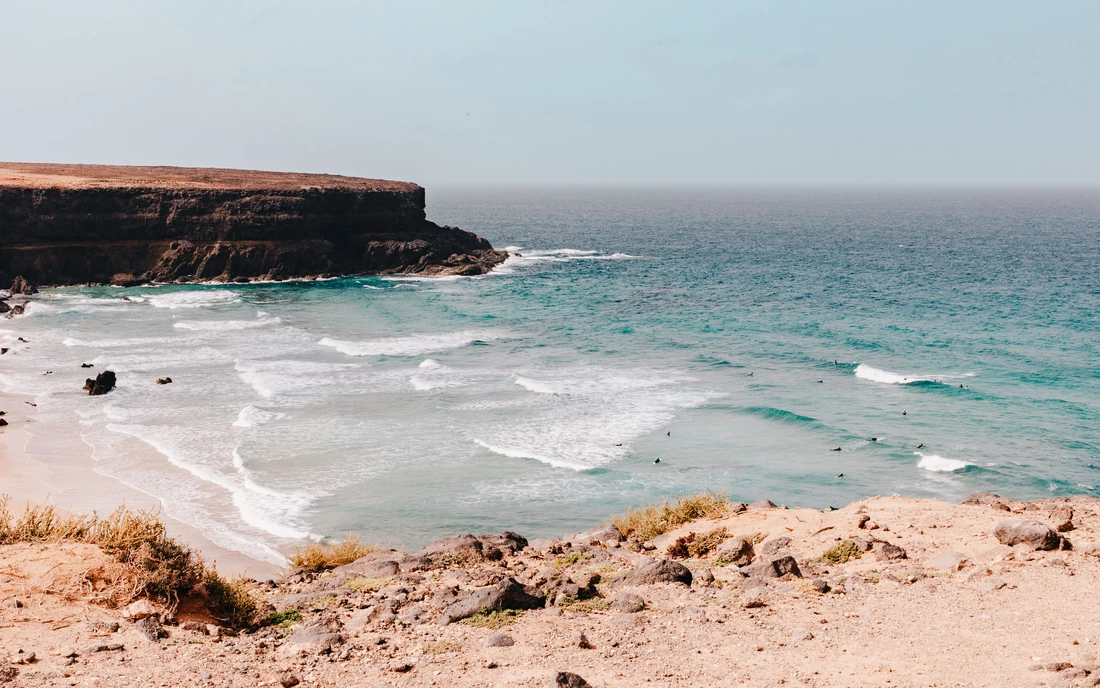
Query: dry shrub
{"type": "Point", "coordinates": [841, 553]}
{"type": "Point", "coordinates": [651, 520]}
{"type": "Point", "coordinates": [147, 561]}
{"type": "Point", "coordinates": [695, 546]}
{"type": "Point", "coordinates": [230, 602]}
{"type": "Point", "coordinates": [318, 556]}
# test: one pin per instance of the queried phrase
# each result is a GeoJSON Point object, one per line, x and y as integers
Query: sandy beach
{"type": "Point", "coordinates": [25, 480]}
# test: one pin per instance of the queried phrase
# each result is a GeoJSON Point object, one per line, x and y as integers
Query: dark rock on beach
{"type": "Point", "coordinates": [102, 384]}
{"type": "Point", "coordinates": [22, 286]}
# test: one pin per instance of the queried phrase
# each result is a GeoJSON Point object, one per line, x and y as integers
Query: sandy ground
{"type": "Point", "coordinates": [961, 609]}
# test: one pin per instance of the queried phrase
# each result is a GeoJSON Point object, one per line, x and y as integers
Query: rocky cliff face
{"type": "Point", "coordinates": [80, 224]}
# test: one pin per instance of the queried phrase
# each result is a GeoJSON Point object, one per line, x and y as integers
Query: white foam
{"type": "Point", "coordinates": [526, 454]}
{"type": "Point", "coordinates": [117, 343]}
{"type": "Point", "coordinates": [414, 345]}
{"type": "Point", "coordinates": [429, 363]}
{"type": "Point", "coordinates": [939, 464]}
{"type": "Point", "coordinates": [259, 507]}
{"type": "Point", "coordinates": [866, 372]}
{"type": "Point", "coordinates": [193, 299]}
{"type": "Point", "coordinates": [539, 386]}
{"type": "Point", "coordinates": [253, 417]}
{"type": "Point", "coordinates": [226, 325]}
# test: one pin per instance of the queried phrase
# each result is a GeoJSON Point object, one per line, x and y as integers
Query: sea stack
{"type": "Point", "coordinates": [97, 224]}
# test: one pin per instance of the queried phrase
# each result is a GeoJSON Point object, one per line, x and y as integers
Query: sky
{"type": "Point", "coordinates": [562, 92]}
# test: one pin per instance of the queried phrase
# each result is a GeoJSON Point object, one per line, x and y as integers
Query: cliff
{"type": "Point", "coordinates": [81, 224]}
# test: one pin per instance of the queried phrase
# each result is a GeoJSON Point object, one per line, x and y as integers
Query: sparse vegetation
{"type": "Point", "coordinates": [842, 552]}
{"type": "Point", "coordinates": [697, 546]}
{"type": "Point", "coordinates": [150, 563]}
{"type": "Point", "coordinates": [585, 605]}
{"type": "Point", "coordinates": [651, 520]}
{"type": "Point", "coordinates": [321, 556]}
{"type": "Point", "coordinates": [284, 619]}
{"type": "Point", "coordinates": [493, 619]}
{"type": "Point", "coordinates": [365, 584]}
{"type": "Point", "coordinates": [570, 559]}
{"type": "Point", "coordinates": [230, 602]}
{"type": "Point", "coordinates": [441, 647]}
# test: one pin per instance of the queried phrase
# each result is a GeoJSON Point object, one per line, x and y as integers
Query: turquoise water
{"type": "Point", "coordinates": [740, 336]}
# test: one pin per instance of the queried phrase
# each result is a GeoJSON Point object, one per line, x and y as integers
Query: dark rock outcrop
{"type": "Point", "coordinates": [93, 224]}
{"type": "Point", "coordinates": [22, 286]}
{"type": "Point", "coordinates": [508, 594]}
{"type": "Point", "coordinates": [658, 571]}
{"type": "Point", "coordinates": [103, 383]}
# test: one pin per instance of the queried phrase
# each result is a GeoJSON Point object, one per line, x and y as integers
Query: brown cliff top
{"type": "Point", "coordinates": [47, 175]}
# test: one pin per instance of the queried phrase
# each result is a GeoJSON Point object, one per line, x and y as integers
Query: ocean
{"type": "Point", "coordinates": [945, 341]}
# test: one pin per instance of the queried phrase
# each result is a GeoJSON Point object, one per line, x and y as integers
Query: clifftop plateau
{"type": "Point", "coordinates": [99, 224]}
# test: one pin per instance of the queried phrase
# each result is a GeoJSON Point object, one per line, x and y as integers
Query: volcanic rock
{"type": "Point", "coordinates": [1032, 533]}
{"type": "Point", "coordinates": [103, 383]}
{"type": "Point", "coordinates": [80, 224]}
{"type": "Point", "coordinates": [658, 571]}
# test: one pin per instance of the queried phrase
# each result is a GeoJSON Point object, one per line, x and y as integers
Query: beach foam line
{"type": "Point", "coordinates": [872, 374]}
{"type": "Point", "coordinates": [253, 417]}
{"type": "Point", "coordinates": [414, 345]}
{"type": "Point", "coordinates": [193, 299]}
{"type": "Point", "coordinates": [226, 325]}
{"type": "Point", "coordinates": [940, 464]}
{"type": "Point", "coordinates": [523, 454]}
{"type": "Point", "coordinates": [258, 506]}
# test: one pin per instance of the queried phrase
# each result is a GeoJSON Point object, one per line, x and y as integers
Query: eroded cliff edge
{"type": "Point", "coordinates": [96, 224]}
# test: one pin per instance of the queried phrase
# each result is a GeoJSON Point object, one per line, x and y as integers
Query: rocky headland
{"type": "Point", "coordinates": [98, 224]}
{"type": "Point", "coordinates": [884, 592]}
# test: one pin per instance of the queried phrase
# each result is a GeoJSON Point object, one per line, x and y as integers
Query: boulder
{"type": "Point", "coordinates": [139, 609]}
{"type": "Point", "coordinates": [499, 640]}
{"type": "Point", "coordinates": [457, 548]}
{"type": "Point", "coordinates": [505, 541]}
{"type": "Point", "coordinates": [772, 568]}
{"type": "Point", "coordinates": [565, 679]}
{"type": "Point", "coordinates": [4, 307]}
{"type": "Point", "coordinates": [598, 536]}
{"type": "Point", "coordinates": [148, 628]}
{"type": "Point", "coordinates": [315, 640]}
{"type": "Point", "coordinates": [1031, 533]}
{"type": "Point", "coordinates": [763, 504]}
{"type": "Point", "coordinates": [103, 383]}
{"type": "Point", "coordinates": [508, 594]}
{"type": "Point", "coordinates": [887, 551]}
{"type": "Point", "coordinates": [989, 499]}
{"type": "Point", "coordinates": [735, 551]}
{"type": "Point", "coordinates": [22, 286]}
{"type": "Point", "coordinates": [628, 603]}
{"type": "Point", "coordinates": [658, 571]}
{"type": "Point", "coordinates": [1062, 516]}
{"type": "Point", "coordinates": [772, 547]}
{"type": "Point", "coordinates": [164, 381]}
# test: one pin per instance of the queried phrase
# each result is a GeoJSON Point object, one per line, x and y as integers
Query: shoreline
{"type": "Point", "coordinates": [27, 481]}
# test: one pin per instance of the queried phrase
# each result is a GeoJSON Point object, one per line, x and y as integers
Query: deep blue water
{"type": "Point", "coordinates": [738, 335]}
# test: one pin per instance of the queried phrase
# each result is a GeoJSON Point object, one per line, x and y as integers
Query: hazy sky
{"type": "Point", "coordinates": [457, 92]}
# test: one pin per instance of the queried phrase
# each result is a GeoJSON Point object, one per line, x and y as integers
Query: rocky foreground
{"type": "Point", "coordinates": [103, 224]}
{"type": "Point", "coordinates": [885, 592]}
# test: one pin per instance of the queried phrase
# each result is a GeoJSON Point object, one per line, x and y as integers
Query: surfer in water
{"type": "Point", "coordinates": [657, 460]}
